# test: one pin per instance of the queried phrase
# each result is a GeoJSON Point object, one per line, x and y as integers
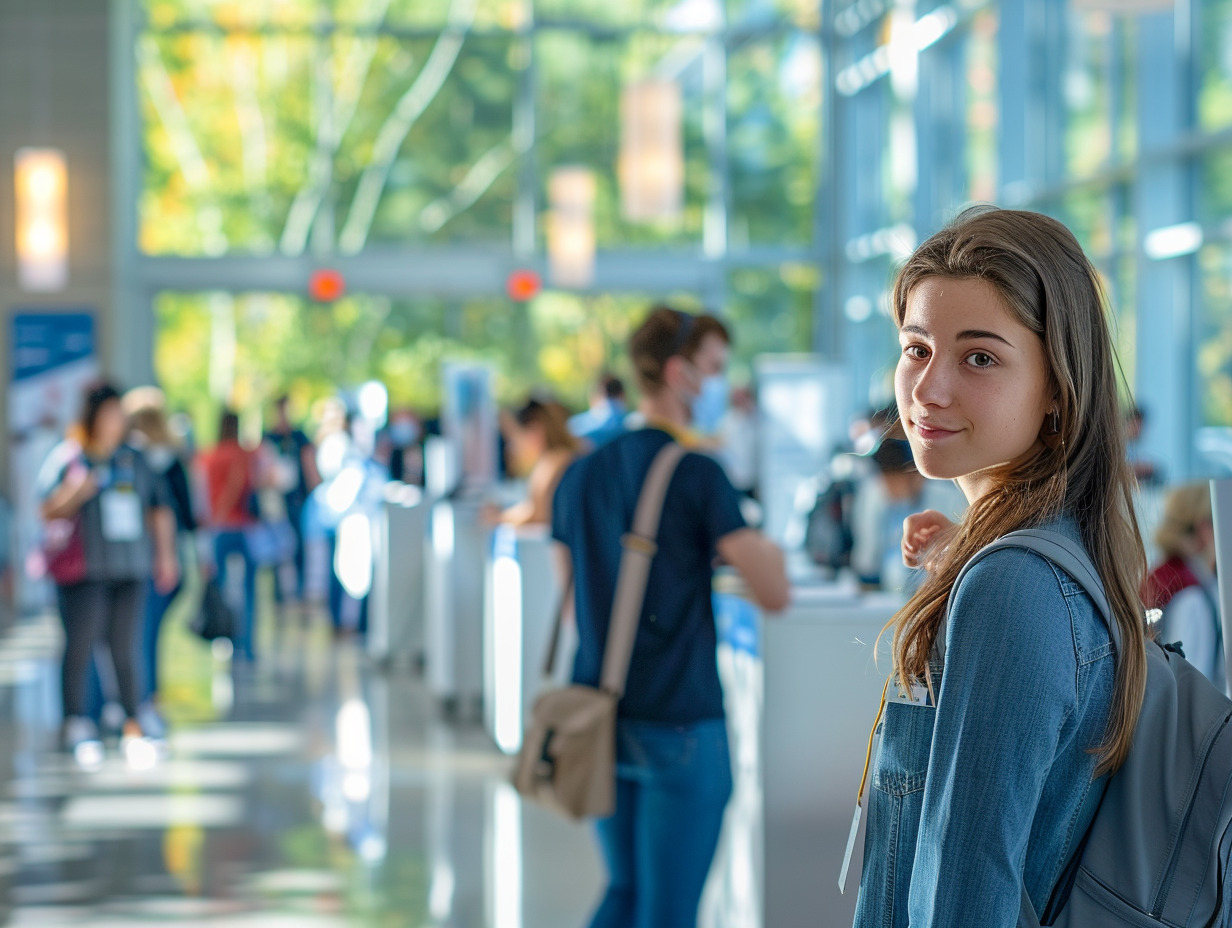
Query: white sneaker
{"type": "Point", "coordinates": [82, 742]}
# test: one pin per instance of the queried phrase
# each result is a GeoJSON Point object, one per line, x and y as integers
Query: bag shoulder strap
{"type": "Point", "coordinates": [566, 599]}
{"type": "Point", "coordinates": [1067, 554]}
{"type": "Point", "coordinates": [639, 549]}
{"type": "Point", "coordinates": [640, 546]}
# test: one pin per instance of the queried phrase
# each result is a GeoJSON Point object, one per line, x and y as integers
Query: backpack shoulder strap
{"type": "Point", "coordinates": [1067, 554]}
{"type": "Point", "coordinates": [640, 547]}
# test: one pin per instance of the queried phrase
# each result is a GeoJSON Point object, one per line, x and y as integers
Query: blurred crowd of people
{"type": "Point", "coordinates": [132, 506]}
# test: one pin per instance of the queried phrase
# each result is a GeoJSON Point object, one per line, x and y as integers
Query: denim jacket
{"type": "Point", "coordinates": [993, 788]}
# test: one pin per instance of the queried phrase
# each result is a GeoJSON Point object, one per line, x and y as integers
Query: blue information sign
{"type": "Point", "coordinates": [43, 342]}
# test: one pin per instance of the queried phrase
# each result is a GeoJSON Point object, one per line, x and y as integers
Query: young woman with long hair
{"type": "Point", "coordinates": [540, 447]}
{"type": "Point", "coordinates": [121, 515]}
{"type": "Point", "coordinates": [991, 763]}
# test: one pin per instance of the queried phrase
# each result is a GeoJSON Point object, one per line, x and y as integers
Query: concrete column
{"type": "Point", "coordinates": [55, 69]}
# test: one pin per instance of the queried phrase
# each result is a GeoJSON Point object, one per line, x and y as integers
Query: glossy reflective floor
{"type": "Point", "coordinates": [310, 789]}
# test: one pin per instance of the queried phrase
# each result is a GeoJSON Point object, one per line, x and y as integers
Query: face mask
{"type": "Point", "coordinates": [710, 405]}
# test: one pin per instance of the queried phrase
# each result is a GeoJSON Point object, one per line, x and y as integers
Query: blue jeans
{"type": "Point", "coordinates": [672, 785]}
{"type": "Point", "coordinates": [226, 543]}
{"type": "Point", "coordinates": [156, 605]}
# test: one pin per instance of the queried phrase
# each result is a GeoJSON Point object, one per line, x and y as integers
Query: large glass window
{"type": "Point", "coordinates": [215, 348]}
{"type": "Point", "coordinates": [774, 138]}
{"type": "Point", "coordinates": [306, 127]}
{"type": "Point", "coordinates": [1215, 173]}
{"type": "Point", "coordinates": [1215, 64]}
{"type": "Point", "coordinates": [579, 76]}
{"type": "Point", "coordinates": [399, 128]}
{"type": "Point", "coordinates": [771, 309]}
{"type": "Point", "coordinates": [982, 116]}
{"type": "Point", "coordinates": [395, 140]}
{"type": "Point", "coordinates": [1088, 92]}
{"type": "Point", "coordinates": [1214, 335]}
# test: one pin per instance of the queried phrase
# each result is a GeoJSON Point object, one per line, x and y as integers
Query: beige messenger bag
{"type": "Point", "coordinates": [568, 757]}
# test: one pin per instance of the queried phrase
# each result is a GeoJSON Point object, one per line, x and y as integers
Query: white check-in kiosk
{"type": "Point", "coordinates": [522, 595]}
{"type": "Point", "coordinates": [459, 469]}
{"type": "Point", "coordinates": [397, 604]}
{"type": "Point", "coordinates": [453, 628]}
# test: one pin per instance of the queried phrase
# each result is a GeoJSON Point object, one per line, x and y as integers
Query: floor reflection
{"type": "Point", "coordinates": [308, 790]}
{"type": "Point", "coordinates": [312, 789]}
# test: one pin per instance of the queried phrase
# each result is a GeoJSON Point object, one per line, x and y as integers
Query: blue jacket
{"type": "Point", "coordinates": [995, 785]}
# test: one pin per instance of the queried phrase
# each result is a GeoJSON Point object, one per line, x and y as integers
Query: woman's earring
{"type": "Point", "coordinates": [1052, 431]}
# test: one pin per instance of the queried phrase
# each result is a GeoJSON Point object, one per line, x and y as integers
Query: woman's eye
{"type": "Point", "coordinates": [918, 352]}
{"type": "Point", "coordinates": [979, 359]}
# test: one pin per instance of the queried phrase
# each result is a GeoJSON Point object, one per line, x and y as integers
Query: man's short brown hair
{"type": "Point", "coordinates": [665, 334]}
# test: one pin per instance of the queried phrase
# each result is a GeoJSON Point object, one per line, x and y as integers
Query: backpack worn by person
{"type": "Point", "coordinates": [1158, 850]}
{"type": "Point", "coordinates": [568, 756]}
{"type": "Point", "coordinates": [828, 537]}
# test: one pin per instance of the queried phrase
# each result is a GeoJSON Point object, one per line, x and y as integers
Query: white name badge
{"type": "Point", "coordinates": [121, 515]}
{"type": "Point", "coordinates": [917, 695]}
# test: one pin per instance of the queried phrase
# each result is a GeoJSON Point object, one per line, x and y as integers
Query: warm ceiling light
{"type": "Point", "coordinates": [571, 227]}
{"type": "Point", "coordinates": [651, 166]}
{"type": "Point", "coordinates": [41, 180]}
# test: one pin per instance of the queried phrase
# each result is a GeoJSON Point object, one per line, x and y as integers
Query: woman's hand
{"type": "Point", "coordinates": [78, 487]}
{"type": "Point", "coordinates": [919, 530]}
{"type": "Point", "coordinates": [82, 483]}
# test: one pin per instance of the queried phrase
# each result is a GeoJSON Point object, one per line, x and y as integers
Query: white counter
{"type": "Point", "coordinates": [822, 690]}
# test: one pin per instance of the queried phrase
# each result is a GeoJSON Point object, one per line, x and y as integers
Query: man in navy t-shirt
{"type": "Point", "coordinates": [674, 771]}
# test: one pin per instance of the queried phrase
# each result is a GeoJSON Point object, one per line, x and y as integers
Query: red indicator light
{"type": "Point", "coordinates": [326, 286]}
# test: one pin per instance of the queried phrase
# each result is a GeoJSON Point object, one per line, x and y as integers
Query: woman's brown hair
{"type": "Point", "coordinates": [554, 421]}
{"type": "Point", "coordinates": [1048, 285]}
{"type": "Point", "coordinates": [665, 334]}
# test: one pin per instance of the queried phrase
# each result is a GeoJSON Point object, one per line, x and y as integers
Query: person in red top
{"type": "Point", "coordinates": [229, 472]}
{"type": "Point", "coordinates": [1183, 585]}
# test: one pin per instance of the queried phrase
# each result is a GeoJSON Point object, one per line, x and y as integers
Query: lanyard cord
{"type": "Point", "coordinates": [868, 757]}
{"type": "Point", "coordinates": [855, 820]}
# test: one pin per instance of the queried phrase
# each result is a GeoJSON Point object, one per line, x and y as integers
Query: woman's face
{"type": "Point", "coordinates": [527, 445]}
{"type": "Point", "coordinates": [110, 426]}
{"type": "Point", "coordinates": [972, 382]}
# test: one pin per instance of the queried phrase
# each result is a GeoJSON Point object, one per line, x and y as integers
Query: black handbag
{"type": "Point", "coordinates": [215, 619]}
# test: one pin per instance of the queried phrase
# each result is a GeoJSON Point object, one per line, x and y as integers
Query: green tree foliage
{"type": "Point", "coordinates": [319, 127]}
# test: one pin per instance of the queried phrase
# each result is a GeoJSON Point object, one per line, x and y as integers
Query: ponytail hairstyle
{"type": "Point", "coordinates": [1047, 284]}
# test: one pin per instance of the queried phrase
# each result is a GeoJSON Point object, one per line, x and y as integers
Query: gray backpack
{"type": "Point", "coordinates": [1158, 851]}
